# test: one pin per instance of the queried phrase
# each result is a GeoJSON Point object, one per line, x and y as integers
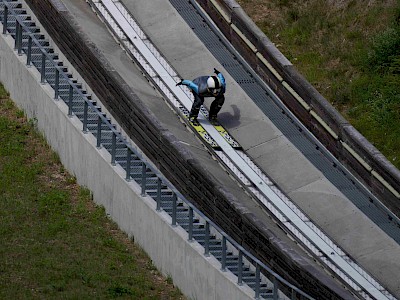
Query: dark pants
{"type": "Point", "coordinates": [215, 107]}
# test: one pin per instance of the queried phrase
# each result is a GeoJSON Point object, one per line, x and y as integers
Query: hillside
{"type": "Point", "coordinates": [55, 243]}
{"type": "Point", "coordinates": [349, 50]}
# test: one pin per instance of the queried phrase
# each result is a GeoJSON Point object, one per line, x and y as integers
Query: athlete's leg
{"type": "Point", "coordinates": [198, 101]}
{"type": "Point", "coordinates": [216, 106]}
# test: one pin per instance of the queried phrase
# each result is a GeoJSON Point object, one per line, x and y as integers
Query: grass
{"type": "Point", "coordinates": [349, 50]}
{"type": "Point", "coordinates": [55, 243]}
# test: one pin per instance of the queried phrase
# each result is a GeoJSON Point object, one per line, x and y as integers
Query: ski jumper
{"type": "Point", "coordinates": [200, 90]}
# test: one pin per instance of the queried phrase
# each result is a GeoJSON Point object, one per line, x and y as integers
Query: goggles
{"type": "Point", "coordinates": [215, 91]}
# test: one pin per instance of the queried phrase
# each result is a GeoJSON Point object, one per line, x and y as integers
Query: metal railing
{"type": "Point", "coordinates": [216, 242]}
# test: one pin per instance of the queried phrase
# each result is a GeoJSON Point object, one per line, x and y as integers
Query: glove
{"type": "Point", "coordinates": [179, 83]}
{"type": "Point", "coordinates": [216, 71]}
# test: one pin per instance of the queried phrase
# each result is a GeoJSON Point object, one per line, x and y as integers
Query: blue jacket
{"type": "Point", "coordinates": [199, 85]}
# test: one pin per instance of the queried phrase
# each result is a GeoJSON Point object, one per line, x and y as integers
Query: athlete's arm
{"type": "Point", "coordinates": [191, 85]}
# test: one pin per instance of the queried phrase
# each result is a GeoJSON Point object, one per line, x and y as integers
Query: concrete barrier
{"type": "Point", "coordinates": [198, 277]}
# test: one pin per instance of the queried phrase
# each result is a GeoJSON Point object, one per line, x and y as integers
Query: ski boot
{"type": "Point", "coordinates": [194, 121]}
{"type": "Point", "coordinates": [213, 120]}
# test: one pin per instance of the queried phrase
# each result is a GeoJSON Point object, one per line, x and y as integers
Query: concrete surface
{"type": "Point", "coordinates": [117, 57]}
{"type": "Point", "coordinates": [316, 196]}
{"type": "Point", "coordinates": [307, 186]}
{"type": "Point", "coordinates": [167, 246]}
{"type": "Point", "coordinates": [360, 237]}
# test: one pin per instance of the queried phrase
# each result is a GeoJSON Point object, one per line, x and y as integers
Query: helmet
{"type": "Point", "coordinates": [214, 84]}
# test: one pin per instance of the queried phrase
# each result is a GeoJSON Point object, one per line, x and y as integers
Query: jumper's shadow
{"type": "Point", "coordinates": [229, 120]}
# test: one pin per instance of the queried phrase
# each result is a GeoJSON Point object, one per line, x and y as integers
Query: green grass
{"type": "Point", "coordinates": [54, 242]}
{"type": "Point", "coordinates": [350, 52]}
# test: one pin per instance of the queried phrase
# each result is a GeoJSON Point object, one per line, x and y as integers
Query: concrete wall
{"type": "Point", "coordinates": [197, 276]}
{"type": "Point", "coordinates": [314, 111]}
{"type": "Point", "coordinates": [177, 165]}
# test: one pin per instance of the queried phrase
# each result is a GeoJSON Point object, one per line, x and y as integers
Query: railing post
{"type": "Point", "coordinates": [85, 116]}
{"type": "Point", "coordinates": [43, 69]}
{"type": "Point", "coordinates": [16, 35]}
{"type": "Point", "coordinates": [207, 240]}
{"type": "Point", "coordinates": [57, 85]}
{"type": "Point", "coordinates": [275, 289]}
{"type": "Point", "coordinates": [240, 268]}
{"type": "Point", "coordinates": [158, 194]}
{"type": "Point", "coordinates": [70, 99]}
{"type": "Point", "coordinates": [5, 18]}
{"type": "Point", "coordinates": [128, 164]}
{"type": "Point", "coordinates": [257, 288]}
{"type": "Point", "coordinates": [29, 51]}
{"type": "Point", "coordinates": [223, 259]}
{"type": "Point", "coordinates": [19, 43]}
{"type": "Point", "coordinates": [99, 132]}
{"type": "Point", "coordinates": [190, 224]}
{"type": "Point", "coordinates": [144, 167]}
{"type": "Point", "coordinates": [113, 146]}
{"type": "Point", "coordinates": [174, 203]}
